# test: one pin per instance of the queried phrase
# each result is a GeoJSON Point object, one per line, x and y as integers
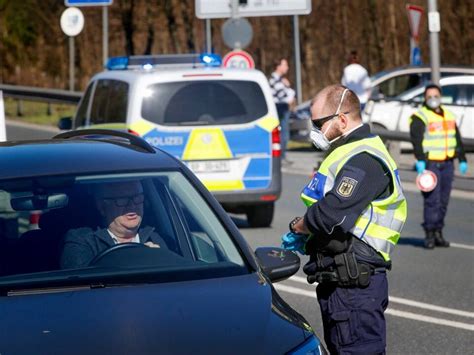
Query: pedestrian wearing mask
{"type": "Point", "coordinates": [356, 211]}
{"type": "Point", "coordinates": [436, 142]}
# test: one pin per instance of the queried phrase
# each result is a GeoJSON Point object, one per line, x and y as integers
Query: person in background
{"type": "Point", "coordinates": [436, 142]}
{"type": "Point", "coordinates": [356, 78]}
{"type": "Point", "coordinates": [284, 96]}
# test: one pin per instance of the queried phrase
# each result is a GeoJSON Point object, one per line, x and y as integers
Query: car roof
{"type": "Point", "coordinates": [449, 80]}
{"type": "Point", "coordinates": [409, 69]}
{"type": "Point", "coordinates": [189, 73]}
{"type": "Point", "coordinates": [24, 159]}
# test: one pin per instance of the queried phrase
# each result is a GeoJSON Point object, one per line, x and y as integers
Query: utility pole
{"type": "Point", "coordinates": [208, 36]}
{"type": "Point", "coordinates": [105, 34]}
{"type": "Point", "coordinates": [296, 33]}
{"type": "Point", "coordinates": [434, 26]}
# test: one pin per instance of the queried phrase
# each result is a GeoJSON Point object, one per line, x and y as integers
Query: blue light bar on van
{"type": "Point", "coordinates": [210, 59]}
{"type": "Point", "coordinates": [117, 63]}
{"type": "Point", "coordinates": [148, 62]}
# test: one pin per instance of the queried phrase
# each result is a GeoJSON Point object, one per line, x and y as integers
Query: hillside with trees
{"type": "Point", "coordinates": [34, 51]}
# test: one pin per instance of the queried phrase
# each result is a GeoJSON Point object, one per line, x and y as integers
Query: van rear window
{"type": "Point", "coordinates": [207, 102]}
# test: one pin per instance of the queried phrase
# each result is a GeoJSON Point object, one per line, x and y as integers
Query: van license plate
{"type": "Point", "coordinates": [218, 166]}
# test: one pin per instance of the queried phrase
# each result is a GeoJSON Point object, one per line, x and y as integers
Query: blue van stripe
{"type": "Point", "coordinates": [258, 167]}
{"type": "Point", "coordinates": [256, 184]}
{"type": "Point", "coordinates": [248, 141]}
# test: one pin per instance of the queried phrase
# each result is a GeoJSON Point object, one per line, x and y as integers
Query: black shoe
{"type": "Point", "coordinates": [430, 240]}
{"type": "Point", "coordinates": [439, 240]}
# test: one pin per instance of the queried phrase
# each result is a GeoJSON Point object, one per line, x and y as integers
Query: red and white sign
{"type": "Point", "coordinates": [415, 14]}
{"type": "Point", "coordinates": [426, 181]}
{"type": "Point", "coordinates": [238, 59]}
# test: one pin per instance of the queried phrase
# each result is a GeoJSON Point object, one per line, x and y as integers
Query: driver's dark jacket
{"type": "Point", "coordinates": [83, 244]}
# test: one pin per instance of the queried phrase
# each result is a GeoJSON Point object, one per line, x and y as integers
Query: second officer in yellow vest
{"type": "Point", "coordinates": [436, 142]}
{"type": "Point", "coordinates": [356, 211]}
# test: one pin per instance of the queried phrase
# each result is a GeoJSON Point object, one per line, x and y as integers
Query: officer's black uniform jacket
{"type": "Point", "coordinates": [331, 218]}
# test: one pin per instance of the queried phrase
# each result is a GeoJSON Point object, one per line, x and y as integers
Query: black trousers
{"type": "Point", "coordinates": [436, 201]}
{"type": "Point", "coordinates": [353, 318]}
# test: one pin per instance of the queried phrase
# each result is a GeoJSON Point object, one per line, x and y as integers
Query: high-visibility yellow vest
{"type": "Point", "coordinates": [439, 141]}
{"type": "Point", "coordinates": [381, 223]}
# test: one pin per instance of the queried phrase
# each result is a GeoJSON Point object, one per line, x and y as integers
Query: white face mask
{"type": "Point", "coordinates": [319, 138]}
{"type": "Point", "coordinates": [433, 102]}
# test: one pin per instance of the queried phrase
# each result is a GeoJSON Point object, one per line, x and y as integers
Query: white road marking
{"type": "Point", "coordinates": [427, 319]}
{"type": "Point", "coordinates": [462, 246]}
{"type": "Point", "coordinates": [431, 307]}
{"type": "Point", "coordinates": [397, 313]}
{"type": "Point", "coordinates": [406, 302]}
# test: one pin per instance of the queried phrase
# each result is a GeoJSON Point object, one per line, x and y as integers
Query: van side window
{"type": "Point", "coordinates": [110, 102]}
{"type": "Point", "coordinates": [81, 115]}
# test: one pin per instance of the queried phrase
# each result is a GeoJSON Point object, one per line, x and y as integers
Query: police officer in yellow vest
{"type": "Point", "coordinates": [436, 142]}
{"type": "Point", "coordinates": [356, 211]}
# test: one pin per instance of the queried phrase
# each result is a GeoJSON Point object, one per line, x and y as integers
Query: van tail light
{"type": "Point", "coordinates": [276, 142]}
{"type": "Point", "coordinates": [133, 132]}
{"type": "Point", "coordinates": [34, 219]}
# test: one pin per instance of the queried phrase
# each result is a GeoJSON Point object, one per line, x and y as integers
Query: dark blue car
{"type": "Point", "coordinates": [180, 279]}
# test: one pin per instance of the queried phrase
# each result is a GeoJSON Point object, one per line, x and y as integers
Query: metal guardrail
{"type": "Point", "coordinates": [40, 94]}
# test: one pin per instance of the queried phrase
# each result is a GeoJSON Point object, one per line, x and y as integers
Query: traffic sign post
{"type": "Point", "coordinates": [88, 2]}
{"type": "Point", "coordinates": [3, 127]}
{"type": "Point", "coordinates": [434, 27]}
{"type": "Point", "coordinates": [72, 23]}
{"type": "Point", "coordinates": [237, 33]}
{"type": "Point", "coordinates": [415, 14]}
{"type": "Point", "coordinates": [105, 20]}
{"type": "Point", "coordinates": [238, 59]}
{"type": "Point", "coordinates": [251, 8]}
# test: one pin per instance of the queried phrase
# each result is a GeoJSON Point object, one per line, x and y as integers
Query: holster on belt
{"type": "Point", "coordinates": [350, 272]}
{"type": "Point", "coordinates": [342, 269]}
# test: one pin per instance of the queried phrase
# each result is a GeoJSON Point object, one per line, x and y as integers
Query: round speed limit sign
{"type": "Point", "coordinates": [238, 59]}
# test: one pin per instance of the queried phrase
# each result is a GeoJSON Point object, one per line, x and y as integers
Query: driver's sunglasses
{"type": "Point", "coordinates": [319, 122]}
{"type": "Point", "coordinates": [123, 201]}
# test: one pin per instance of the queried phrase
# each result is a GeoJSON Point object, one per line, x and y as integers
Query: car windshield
{"type": "Point", "coordinates": [204, 102]}
{"type": "Point", "coordinates": [97, 228]}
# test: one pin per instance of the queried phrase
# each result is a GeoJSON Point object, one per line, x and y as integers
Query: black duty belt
{"type": "Point", "coordinates": [342, 269]}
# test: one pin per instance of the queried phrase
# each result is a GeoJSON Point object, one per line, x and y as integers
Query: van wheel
{"type": "Point", "coordinates": [260, 215]}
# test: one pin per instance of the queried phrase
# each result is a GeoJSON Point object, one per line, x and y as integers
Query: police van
{"type": "Point", "coordinates": [221, 122]}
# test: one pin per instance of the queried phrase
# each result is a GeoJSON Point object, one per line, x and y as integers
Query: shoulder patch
{"type": "Point", "coordinates": [346, 186]}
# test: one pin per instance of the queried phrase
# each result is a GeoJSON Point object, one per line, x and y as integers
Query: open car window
{"type": "Point", "coordinates": [72, 225]}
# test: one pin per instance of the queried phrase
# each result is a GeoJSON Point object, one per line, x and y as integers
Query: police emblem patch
{"type": "Point", "coordinates": [346, 186]}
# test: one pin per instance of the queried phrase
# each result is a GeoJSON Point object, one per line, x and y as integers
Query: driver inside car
{"type": "Point", "coordinates": [121, 207]}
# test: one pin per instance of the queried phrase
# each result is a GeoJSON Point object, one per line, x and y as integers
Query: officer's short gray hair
{"type": "Point", "coordinates": [333, 94]}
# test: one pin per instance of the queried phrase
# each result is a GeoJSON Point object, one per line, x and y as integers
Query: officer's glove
{"type": "Point", "coordinates": [294, 242]}
{"type": "Point", "coordinates": [420, 166]}
{"type": "Point", "coordinates": [463, 167]}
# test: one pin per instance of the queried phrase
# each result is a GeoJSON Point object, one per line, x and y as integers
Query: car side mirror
{"type": "Point", "coordinates": [65, 123]}
{"type": "Point", "coordinates": [278, 264]}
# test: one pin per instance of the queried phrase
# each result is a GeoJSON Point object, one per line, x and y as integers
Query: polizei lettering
{"type": "Point", "coordinates": [165, 141]}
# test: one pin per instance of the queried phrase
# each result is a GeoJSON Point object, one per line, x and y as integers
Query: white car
{"type": "Point", "coordinates": [457, 96]}
{"type": "Point", "coordinates": [386, 85]}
